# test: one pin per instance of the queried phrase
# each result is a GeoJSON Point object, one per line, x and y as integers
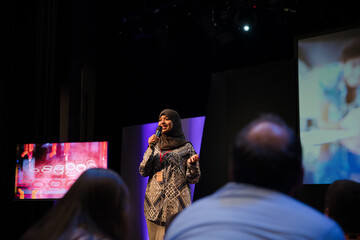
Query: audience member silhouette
{"type": "Point", "coordinates": [95, 207]}
{"type": "Point", "coordinates": [267, 168]}
{"type": "Point", "coordinates": [342, 203]}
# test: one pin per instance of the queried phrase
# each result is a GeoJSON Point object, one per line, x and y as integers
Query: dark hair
{"type": "Point", "coordinates": [351, 51]}
{"type": "Point", "coordinates": [343, 203]}
{"type": "Point", "coordinates": [265, 166]}
{"type": "Point", "coordinates": [97, 202]}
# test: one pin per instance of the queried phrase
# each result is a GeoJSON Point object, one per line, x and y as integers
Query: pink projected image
{"type": "Point", "coordinates": [47, 171]}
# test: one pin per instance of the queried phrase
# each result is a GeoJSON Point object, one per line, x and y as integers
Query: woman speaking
{"type": "Point", "coordinates": [171, 164]}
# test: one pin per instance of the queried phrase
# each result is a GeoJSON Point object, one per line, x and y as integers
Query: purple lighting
{"type": "Point", "coordinates": [147, 131]}
{"type": "Point", "coordinates": [193, 130]}
{"type": "Point", "coordinates": [134, 144]}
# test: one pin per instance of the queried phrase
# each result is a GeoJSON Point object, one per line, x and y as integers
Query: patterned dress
{"type": "Point", "coordinates": [168, 190]}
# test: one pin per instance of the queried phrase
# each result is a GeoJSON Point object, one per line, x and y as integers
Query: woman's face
{"type": "Point", "coordinates": [165, 123]}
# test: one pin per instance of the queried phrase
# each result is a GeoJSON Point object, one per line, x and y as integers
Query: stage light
{"type": "Point", "coordinates": [246, 28]}
{"type": "Point", "coordinates": [245, 20]}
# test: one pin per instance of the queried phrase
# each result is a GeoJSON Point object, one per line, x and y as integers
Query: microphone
{"type": "Point", "coordinates": [158, 134]}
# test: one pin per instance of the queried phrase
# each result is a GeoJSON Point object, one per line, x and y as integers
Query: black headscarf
{"type": "Point", "coordinates": [175, 138]}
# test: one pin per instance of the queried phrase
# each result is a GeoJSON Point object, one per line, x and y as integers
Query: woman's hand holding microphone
{"type": "Point", "coordinates": [153, 140]}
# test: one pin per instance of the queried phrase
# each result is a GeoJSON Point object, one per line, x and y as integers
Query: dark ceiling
{"type": "Point", "coordinates": [165, 51]}
{"type": "Point", "coordinates": [146, 55]}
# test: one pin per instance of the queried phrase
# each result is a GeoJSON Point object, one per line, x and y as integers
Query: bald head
{"type": "Point", "coordinates": [268, 154]}
{"type": "Point", "coordinates": [268, 134]}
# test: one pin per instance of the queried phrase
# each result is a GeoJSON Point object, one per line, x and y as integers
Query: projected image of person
{"type": "Point", "coordinates": [341, 94]}
{"type": "Point", "coordinates": [329, 106]}
{"type": "Point", "coordinates": [340, 110]}
{"type": "Point", "coordinates": [171, 164]}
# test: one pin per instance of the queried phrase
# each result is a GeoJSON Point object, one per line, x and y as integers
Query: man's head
{"type": "Point", "coordinates": [268, 154]}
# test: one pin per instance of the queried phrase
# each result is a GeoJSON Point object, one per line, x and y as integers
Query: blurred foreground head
{"type": "Point", "coordinates": [342, 203]}
{"type": "Point", "coordinates": [268, 154]}
{"type": "Point", "coordinates": [96, 206]}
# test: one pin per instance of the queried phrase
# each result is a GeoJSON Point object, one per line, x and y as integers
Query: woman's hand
{"type": "Point", "coordinates": [194, 159]}
{"type": "Point", "coordinates": [153, 139]}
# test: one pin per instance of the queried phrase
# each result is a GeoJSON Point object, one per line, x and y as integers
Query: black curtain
{"type": "Point", "coordinates": [30, 98]}
{"type": "Point", "coordinates": [236, 97]}
{"type": "Point", "coordinates": [48, 87]}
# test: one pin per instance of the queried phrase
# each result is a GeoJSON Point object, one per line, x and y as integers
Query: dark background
{"type": "Point", "coordinates": [81, 70]}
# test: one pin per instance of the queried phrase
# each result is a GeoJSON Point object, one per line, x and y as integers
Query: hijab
{"type": "Point", "coordinates": [175, 138]}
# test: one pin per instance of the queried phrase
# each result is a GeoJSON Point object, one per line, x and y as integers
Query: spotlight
{"type": "Point", "coordinates": [244, 27]}
{"type": "Point", "coordinates": [245, 20]}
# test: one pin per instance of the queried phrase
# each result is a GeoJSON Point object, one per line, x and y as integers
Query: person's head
{"type": "Point", "coordinates": [342, 203]}
{"type": "Point", "coordinates": [350, 58]}
{"type": "Point", "coordinates": [170, 121]}
{"type": "Point", "coordinates": [97, 202]}
{"type": "Point", "coordinates": [268, 154]}
{"type": "Point", "coordinates": [172, 135]}
{"type": "Point", "coordinates": [166, 123]}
